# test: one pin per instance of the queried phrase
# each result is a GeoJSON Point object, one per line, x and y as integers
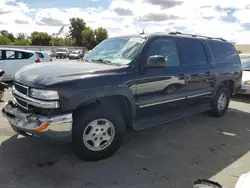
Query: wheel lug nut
{"type": "Point", "coordinates": [102, 129]}
{"type": "Point", "coordinates": [93, 134]}
{"type": "Point", "coordinates": [101, 138]}
{"type": "Point", "coordinates": [96, 138]}
{"type": "Point", "coordinates": [103, 134]}
{"type": "Point", "coordinates": [96, 130]}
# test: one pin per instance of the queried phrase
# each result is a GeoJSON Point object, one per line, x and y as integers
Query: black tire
{"type": "Point", "coordinates": [80, 122]}
{"type": "Point", "coordinates": [215, 111]}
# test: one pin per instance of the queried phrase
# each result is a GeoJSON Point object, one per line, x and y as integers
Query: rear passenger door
{"type": "Point", "coordinates": [199, 77]}
{"type": "Point", "coordinates": [15, 60]}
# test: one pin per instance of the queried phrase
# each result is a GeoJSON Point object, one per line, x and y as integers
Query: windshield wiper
{"type": "Point", "coordinates": [102, 61]}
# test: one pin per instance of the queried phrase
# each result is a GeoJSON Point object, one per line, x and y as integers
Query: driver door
{"type": "Point", "coordinates": [164, 85]}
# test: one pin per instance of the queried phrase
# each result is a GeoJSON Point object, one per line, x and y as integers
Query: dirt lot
{"type": "Point", "coordinates": [173, 155]}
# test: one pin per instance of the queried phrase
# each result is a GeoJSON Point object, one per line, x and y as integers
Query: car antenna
{"type": "Point", "coordinates": [142, 33]}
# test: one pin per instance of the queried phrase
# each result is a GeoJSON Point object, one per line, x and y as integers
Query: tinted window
{"type": "Point", "coordinates": [193, 51]}
{"type": "Point", "coordinates": [40, 55]}
{"type": "Point", "coordinates": [17, 55]}
{"type": "Point", "coordinates": [166, 48]}
{"type": "Point", "coordinates": [23, 55]}
{"type": "Point", "coordinates": [223, 52]}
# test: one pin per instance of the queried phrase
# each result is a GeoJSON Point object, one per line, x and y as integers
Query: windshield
{"type": "Point", "coordinates": [116, 50]}
{"type": "Point", "coordinates": [75, 52]}
{"type": "Point", "coordinates": [61, 50]}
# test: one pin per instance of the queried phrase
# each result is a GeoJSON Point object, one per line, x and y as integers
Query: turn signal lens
{"type": "Point", "coordinates": [42, 127]}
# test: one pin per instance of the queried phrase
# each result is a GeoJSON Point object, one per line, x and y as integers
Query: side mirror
{"type": "Point", "coordinates": [155, 61]}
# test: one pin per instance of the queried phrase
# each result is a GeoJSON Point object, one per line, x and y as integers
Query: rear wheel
{"type": "Point", "coordinates": [220, 102]}
{"type": "Point", "coordinates": [97, 133]}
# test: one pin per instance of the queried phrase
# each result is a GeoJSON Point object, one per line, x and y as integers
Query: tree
{"type": "Point", "coordinates": [7, 34]}
{"type": "Point", "coordinates": [22, 42]}
{"type": "Point", "coordinates": [69, 42]}
{"type": "Point", "coordinates": [40, 38]}
{"type": "Point", "coordinates": [76, 28]}
{"type": "Point", "coordinates": [21, 36]}
{"type": "Point", "coordinates": [58, 41]}
{"type": "Point", "coordinates": [100, 35]}
{"type": "Point", "coordinates": [4, 40]}
{"type": "Point", "coordinates": [88, 38]}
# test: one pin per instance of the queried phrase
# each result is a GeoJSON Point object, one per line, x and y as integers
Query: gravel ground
{"type": "Point", "coordinates": [172, 155]}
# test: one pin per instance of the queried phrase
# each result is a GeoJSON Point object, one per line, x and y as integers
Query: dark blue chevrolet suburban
{"type": "Point", "coordinates": [133, 82]}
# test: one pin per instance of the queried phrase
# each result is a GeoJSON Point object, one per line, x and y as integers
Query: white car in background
{"type": "Point", "coordinates": [44, 56]}
{"type": "Point", "coordinates": [12, 60]}
{"type": "Point", "coordinates": [245, 84]}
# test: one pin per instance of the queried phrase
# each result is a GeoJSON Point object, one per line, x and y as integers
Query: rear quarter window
{"type": "Point", "coordinates": [223, 52]}
{"type": "Point", "coordinates": [40, 55]}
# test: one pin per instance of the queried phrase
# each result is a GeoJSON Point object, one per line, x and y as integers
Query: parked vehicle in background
{"type": "Point", "coordinates": [62, 53]}
{"type": "Point", "coordinates": [134, 82]}
{"type": "Point", "coordinates": [244, 56]}
{"type": "Point", "coordinates": [245, 84]}
{"type": "Point", "coordinates": [12, 59]}
{"type": "Point", "coordinates": [76, 54]}
{"type": "Point", "coordinates": [3, 85]}
{"type": "Point", "coordinates": [44, 56]}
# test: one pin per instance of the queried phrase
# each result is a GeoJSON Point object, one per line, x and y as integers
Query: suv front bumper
{"type": "Point", "coordinates": [57, 127]}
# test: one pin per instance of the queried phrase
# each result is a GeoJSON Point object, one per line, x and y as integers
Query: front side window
{"type": "Point", "coordinates": [166, 48]}
{"type": "Point", "coordinates": [119, 51]}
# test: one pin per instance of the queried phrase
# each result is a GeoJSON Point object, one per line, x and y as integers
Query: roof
{"type": "Point", "coordinates": [18, 49]}
{"type": "Point", "coordinates": [176, 34]}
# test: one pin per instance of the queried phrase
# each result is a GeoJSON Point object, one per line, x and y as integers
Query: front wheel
{"type": "Point", "coordinates": [97, 133]}
{"type": "Point", "coordinates": [220, 102]}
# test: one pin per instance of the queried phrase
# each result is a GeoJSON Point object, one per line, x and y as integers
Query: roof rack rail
{"type": "Point", "coordinates": [192, 35]}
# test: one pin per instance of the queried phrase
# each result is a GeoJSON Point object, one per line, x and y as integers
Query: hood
{"type": "Point", "coordinates": [246, 76]}
{"type": "Point", "coordinates": [41, 75]}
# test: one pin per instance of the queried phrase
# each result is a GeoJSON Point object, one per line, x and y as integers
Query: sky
{"type": "Point", "coordinates": [229, 19]}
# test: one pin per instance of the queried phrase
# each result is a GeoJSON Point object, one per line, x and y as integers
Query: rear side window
{"type": "Point", "coordinates": [23, 55]}
{"type": "Point", "coordinates": [193, 51]}
{"type": "Point", "coordinates": [40, 55]}
{"type": "Point", "coordinates": [223, 52]}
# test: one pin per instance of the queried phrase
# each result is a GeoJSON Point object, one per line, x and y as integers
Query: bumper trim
{"type": "Point", "coordinates": [59, 128]}
{"type": "Point", "coordinates": [35, 102]}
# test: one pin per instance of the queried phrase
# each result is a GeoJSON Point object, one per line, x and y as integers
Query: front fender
{"type": "Point", "coordinates": [88, 95]}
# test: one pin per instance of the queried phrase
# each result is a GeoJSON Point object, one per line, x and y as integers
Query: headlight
{"type": "Point", "coordinates": [247, 82]}
{"type": "Point", "coordinates": [44, 94]}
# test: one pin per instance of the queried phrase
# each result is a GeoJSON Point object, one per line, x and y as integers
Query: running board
{"type": "Point", "coordinates": [160, 119]}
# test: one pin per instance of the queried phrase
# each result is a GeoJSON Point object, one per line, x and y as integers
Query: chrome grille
{"type": "Point", "coordinates": [24, 90]}
{"type": "Point", "coordinates": [21, 88]}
